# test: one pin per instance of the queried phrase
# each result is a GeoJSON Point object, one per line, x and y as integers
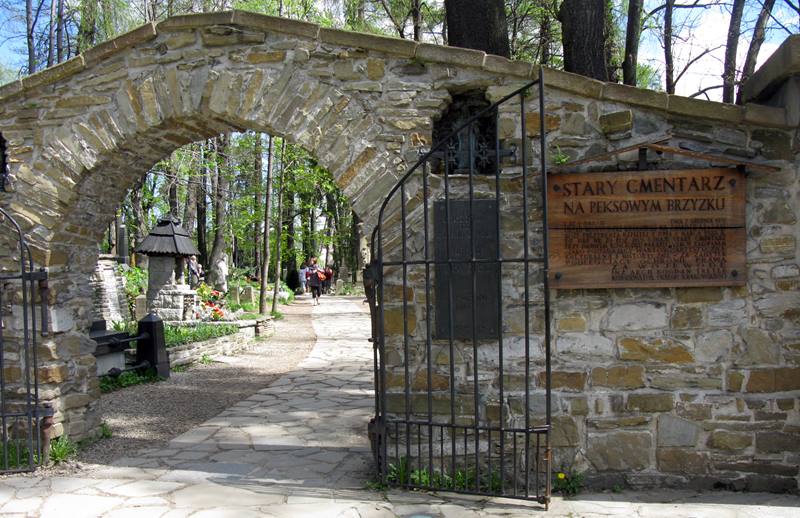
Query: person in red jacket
{"type": "Point", "coordinates": [316, 277]}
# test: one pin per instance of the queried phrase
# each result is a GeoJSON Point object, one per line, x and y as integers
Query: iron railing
{"type": "Point", "coordinates": [21, 447]}
{"type": "Point", "coordinates": [457, 424]}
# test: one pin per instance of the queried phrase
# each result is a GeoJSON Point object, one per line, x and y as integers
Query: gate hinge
{"type": "Point", "coordinates": [38, 275]}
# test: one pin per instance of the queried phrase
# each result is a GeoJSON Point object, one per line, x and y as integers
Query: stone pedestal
{"type": "Point", "coordinates": [166, 298]}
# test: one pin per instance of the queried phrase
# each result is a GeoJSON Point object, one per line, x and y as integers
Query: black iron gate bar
{"type": "Point", "coordinates": [16, 458]}
{"type": "Point", "coordinates": [383, 422]}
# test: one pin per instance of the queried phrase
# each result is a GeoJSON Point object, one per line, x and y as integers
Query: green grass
{"type": "Point", "coordinates": [206, 360]}
{"type": "Point", "coordinates": [179, 368]}
{"type": "Point", "coordinates": [180, 335]}
{"type": "Point", "coordinates": [277, 315]}
{"type": "Point", "coordinates": [249, 307]}
{"type": "Point", "coordinates": [105, 431]}
{"type": "Point", "coordinates": [127, 379]}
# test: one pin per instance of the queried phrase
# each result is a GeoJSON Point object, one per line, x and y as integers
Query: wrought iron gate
{"type": "Point", "coordinates": [459, 298]}
{"type": "Point", "coordinates": [19, 387]}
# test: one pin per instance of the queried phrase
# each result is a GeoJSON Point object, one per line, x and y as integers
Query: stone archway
{"type": "Point", "coordinates": [81, 133]}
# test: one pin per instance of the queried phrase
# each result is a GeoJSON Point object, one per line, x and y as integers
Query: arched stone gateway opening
{"type": "Point", "coordinates": [81, 133]}
{"type": "Point", "coordinates": [695, 385]}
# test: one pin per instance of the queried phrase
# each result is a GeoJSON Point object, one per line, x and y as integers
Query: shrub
{"type": "Point", "coordinates": [61, 449]}
{"type": "Point", "coordinates": [179, 335]}
{"type": "Point", "coordinates": [135, 280]}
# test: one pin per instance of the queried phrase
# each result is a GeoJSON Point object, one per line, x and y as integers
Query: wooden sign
{"type": "Point", "coordinates": [647, 229]}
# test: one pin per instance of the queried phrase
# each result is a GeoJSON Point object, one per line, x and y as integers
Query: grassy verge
{"type": "Point", "coordinates": [180, 335]}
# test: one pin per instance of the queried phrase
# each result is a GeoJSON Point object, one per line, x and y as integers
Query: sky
{"type": "Point", "coordinates": [710, 29]}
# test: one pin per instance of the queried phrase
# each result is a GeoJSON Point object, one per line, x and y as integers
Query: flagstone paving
{"type": "Point", "coordinates": [299, 448]}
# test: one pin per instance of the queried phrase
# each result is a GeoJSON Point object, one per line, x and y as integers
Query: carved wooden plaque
{"type": "Point", "coordinates": [647, 229]}
{"type": "Point", "coordinates": [455, 254]}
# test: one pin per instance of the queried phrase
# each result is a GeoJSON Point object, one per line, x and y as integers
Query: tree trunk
{"type": "Point", "coordinates": [416, 19]}
{"type": "Point", "coordinates": [262, 298]}
{"type": "Point", "coordinates": [202, 209]}
{"type": "Point", "coordinates": [217, 274]}
{"type": "Point", "coordinates": [478, 24]}
{"type": "Point", "coordinates": [60, 32]}
{"type": "Point", "coordinates": [87, 26]}
{"type": "Point", "coordinates": [755, 46]}
{"type": "Point", "coordinates": [279, 232]}
{"type": "Point", "coordinates": [669, 63]}
{"type": "Point", "coordinates": [583, 34]}
{"type": "Point", "coordinates": [257, 173]}
{"type": "Point", "coordinates": [172, 190]}
{"type": "Point", "coordinates": [729, 68]}
{"type": "Point", "coordinates": [31, 44]}
{"type": "Point", "coordinates": [190, 207]}
{"type": "Point", "coordinates": [139, 221]}
{"type": "Point", "coordinates": [51, 37]}
{"type": "Point", "coordinates": [632, 35]}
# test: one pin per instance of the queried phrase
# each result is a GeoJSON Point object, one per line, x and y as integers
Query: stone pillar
{"type": "Point", "coordinates": [161, 271]}
{"type": "Point", "coordinates": [122, 243]}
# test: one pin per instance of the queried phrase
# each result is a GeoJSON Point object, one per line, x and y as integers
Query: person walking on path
{"type": "Point", "coordinates": [315, 279]}
{"type": "Point", "coordinates": [304, 277]}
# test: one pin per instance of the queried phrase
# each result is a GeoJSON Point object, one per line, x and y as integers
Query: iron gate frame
{"type": "Point", "coordinates": [28, 449]}
{"type": "Point", "coordinates": [374, 273]}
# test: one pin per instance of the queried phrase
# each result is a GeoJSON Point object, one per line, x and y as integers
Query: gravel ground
{"type": "Point", "coordinates": [148, 416]}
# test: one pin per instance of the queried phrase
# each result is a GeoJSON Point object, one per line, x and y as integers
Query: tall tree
{"type": "Point", "coordinates": [51, 40]}
{"type": "Point", "coordinates": [202, 207]}
{"type": "Point", "coordinates": [256, 187]}
{"type": "Point", "coordinates": [755, 45]}
{"type": "Point", "coordinates": [30, 24]}
{"type": "Point", "coordinates": [60, 32]}
{"type": "Point", "coordinates": [279, 229]}
{"type": "Point", "coordinates": [632, 35]}
{"type": "Point", "coordinates": [584, 37]}
{"type": "Point", "coordinates": [478, 24]}
{"type": "Point", "coordinates": [216, 275]}
{"type": "Point", "coordinates": [732, 45]}
{"type": "Point", "coordinates": [262, 298]}
{"type": "Point", "coordinates": [669, 63]}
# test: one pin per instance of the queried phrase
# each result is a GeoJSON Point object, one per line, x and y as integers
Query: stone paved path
{"type": "Point", "coordinates": [298, 448]}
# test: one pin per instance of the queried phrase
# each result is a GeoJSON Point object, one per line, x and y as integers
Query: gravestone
{"type": "Point", "coordinates": [454, 228]}
{"type": "Point", "coordinates": [248, 295]}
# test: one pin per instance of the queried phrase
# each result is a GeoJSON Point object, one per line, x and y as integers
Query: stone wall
{"type": "Point", "coordinates": [687, 387]}
{"type": "Point", "coordinates": [243, 340]}
{"type": "Point", "coordinates": [110, 302]}
{"type": "Point", "coordinates": [700, 383]}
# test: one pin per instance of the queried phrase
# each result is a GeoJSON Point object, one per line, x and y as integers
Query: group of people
{"type": "Point", "coordinates": [315, 279]}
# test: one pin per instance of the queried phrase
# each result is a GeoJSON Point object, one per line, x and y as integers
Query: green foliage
{"type": "Point", "coordinates": [206, 360]}
{"type": "Point", "coordinates": [135, 283]}
{"type": "Point", "coordinates": [277, 315]}
{"type": "Point", "coordinates": [568, 484]}
{"type": "Point", "coordinates": [127, 379]}
{"type": "Point", "coordinates": [180, 335]}
{"type": "Point", "coordinates": [131, 327]}
{"type": "Point", "coordinates": [61, 449]}
{"type": "Point", "coordinates": [105, 431]}
{"type": "Point", "coordinates": [179, 368]}
{"type": "Point", "coordinates": [399, 473]}
{"type": "Point", "coordinates": [617, 488]}
{"type": "Point", "coordinates": [17, 455]}
{"type": "Point", "coordinates": [558, 156]}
